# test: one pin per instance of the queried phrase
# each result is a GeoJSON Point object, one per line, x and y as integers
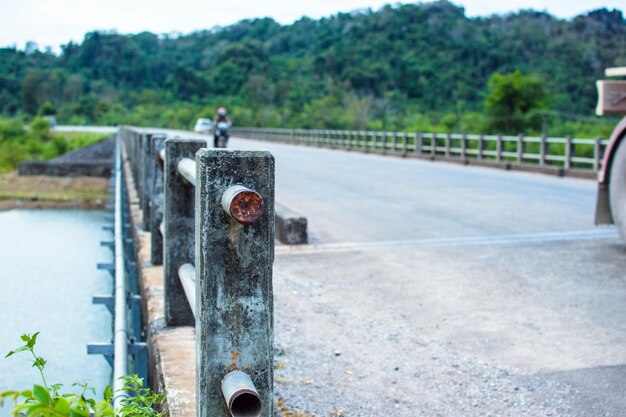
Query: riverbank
{"type": "Point", "coordinates": [46, 192]}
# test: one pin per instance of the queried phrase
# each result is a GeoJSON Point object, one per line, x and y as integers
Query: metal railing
{"type": "Point", "coordinates": [216, 228]}
{"type": "Point", "coordinates": [126, 351]}
{"type": "Point", "coordinates": [563, 155]}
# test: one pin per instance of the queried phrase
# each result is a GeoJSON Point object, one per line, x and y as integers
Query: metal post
{"type": "Point", "coordinates": [157, 202]}
{"type": "Point", "coordinates": [234, 304]}
{"type": "Point", "coordinates": [179, 228]}
{"type": "Point", "coordinates": [499, 148]}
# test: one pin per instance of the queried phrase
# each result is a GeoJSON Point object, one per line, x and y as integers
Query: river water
{"type": "Point", "coordinates": [47, 278]}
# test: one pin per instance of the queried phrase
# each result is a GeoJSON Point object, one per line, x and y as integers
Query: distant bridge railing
{"type": "Point", "coordinates": [560, 156]}
{"type": "Point", "coordinates": [211, 218]}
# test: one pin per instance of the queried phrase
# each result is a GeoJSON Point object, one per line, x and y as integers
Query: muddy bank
{"type": "Point", "coordinates": [36, 204]}
{"type": "Point", "coordinates": [45, 192]}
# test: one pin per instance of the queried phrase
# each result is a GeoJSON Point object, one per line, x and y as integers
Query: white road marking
{"type": "Point", "coordinates": [603, 233]}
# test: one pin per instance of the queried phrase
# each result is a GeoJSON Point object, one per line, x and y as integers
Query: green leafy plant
{"type": "Point", "coordinates": [49, 401]}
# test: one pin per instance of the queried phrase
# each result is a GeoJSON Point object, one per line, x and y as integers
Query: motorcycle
{"type": "Point", "coordinates": [221, 134]}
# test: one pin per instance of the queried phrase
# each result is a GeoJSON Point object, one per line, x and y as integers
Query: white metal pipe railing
{"type": "Point", "coordinates": [187, 275]}
{"type": "Point", "coordinates": [187, 168]}
{"type": "Point", "coordinates": [587, 153]}
{"type": "Point", "coordinates": [120, 333]}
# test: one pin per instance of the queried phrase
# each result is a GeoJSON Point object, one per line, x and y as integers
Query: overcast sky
{"type": "Point", "coordinates": [52, 23]}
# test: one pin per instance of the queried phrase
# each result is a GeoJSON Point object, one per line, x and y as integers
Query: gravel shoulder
{"type": "Point", "coordinates": [434, 332]}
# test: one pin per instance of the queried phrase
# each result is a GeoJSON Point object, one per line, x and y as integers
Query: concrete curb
{"type": "Point", "coordinates": [291, 227]}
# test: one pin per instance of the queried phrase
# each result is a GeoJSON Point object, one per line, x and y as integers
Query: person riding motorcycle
{"type": "Point", "coordinates": [220, 117]}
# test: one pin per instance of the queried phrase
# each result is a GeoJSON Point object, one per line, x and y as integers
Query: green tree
{"type": "Point", "coordinates": [513, 102]}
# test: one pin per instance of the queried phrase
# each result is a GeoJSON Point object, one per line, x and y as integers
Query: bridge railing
{"type": "Point", "coordinates": [217, 237]}
{"type": "Point", "coordinates": [562, 155]}
{"type": "Point", "coordinates": [126, 351]}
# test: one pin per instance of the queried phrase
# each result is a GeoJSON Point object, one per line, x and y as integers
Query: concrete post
{"type": "Point", "coordinates": [419, 143]}
{"type": "Point", "coordinates": [157, 202]}
{"type": "Point", "coordinates": [543, 151]}
{"type": "Point", "coordinates": [148, 162]}
{"type": "Point", "coordinates": [569, 152]}
{"type": "Point", "coordinates": [433, 146]}
{"type": "Point", "coordinates": [179, 229]}
{"type": "Point", "coordinates": [405, 143]}
{"type": "Point", "coordinates": [234, 299]}
{"type": "Point", "coordinates": [520, 149]}
{"type": "Point", "coordinates": [597, 154]}
{"type": "Point", "coordinates": [464, 146]}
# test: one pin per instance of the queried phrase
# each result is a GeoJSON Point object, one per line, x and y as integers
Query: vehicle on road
{"type": "Point", "coordinates": [611, 201]}
{"type": "Point", "coordinates": [221, 134]}
{"type": "Point", "coordinates": [203, 126]}
{"type": "Point", "coordinates": [52, 121]}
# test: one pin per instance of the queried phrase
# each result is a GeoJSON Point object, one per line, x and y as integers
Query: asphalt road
{"type": "Point", "coordinates": [435, 289]}
{"type": "Point", "coordinates": [438, 289]}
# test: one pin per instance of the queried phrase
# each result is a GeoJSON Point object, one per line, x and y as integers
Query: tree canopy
{"type": "Point", "coordinates": [391, 68]}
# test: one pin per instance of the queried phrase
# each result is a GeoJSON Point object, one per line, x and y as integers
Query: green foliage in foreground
{"type": "Point", "coordinates": [36, 142]}
{"type": "Point", "coordinates": [50, 401]}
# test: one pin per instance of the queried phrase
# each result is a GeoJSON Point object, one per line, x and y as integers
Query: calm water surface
{"type": "Point", "coordinates": [47, 277]}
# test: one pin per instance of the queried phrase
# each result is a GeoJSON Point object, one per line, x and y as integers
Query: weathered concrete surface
{"type": "Point", "coordinates": [234, 297]}
{"type": "Point", "coordinates": [149, 161]}
{"type": "Point", "coordinates": [442, 290]}
{"type": "Point", "coordinates": [157, 202]}
{"type": "Point", "coordinates": [171, 349]}
{"type": "Point", "coordinates": [291, 227]}
{"type": "Point", "coordinates": [179, 221]}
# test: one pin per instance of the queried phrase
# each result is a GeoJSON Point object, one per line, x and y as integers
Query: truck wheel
{"type": "Point", "coordinates": [617, 189]}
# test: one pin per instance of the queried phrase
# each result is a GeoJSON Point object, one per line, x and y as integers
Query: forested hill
{"type": "Point", "coordinates": [364, 68]}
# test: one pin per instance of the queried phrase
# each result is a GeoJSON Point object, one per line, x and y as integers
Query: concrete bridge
{"type": "Point", "coordinates": [430, 289]}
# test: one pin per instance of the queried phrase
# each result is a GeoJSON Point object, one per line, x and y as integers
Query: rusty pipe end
{"type": "Point", "coordinates": [241, 395]}
{"type": "Point", "coordinates": [243, 204]}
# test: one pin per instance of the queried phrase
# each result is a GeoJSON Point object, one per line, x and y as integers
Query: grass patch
{"type": "Point", "coordinates": [19, 143]}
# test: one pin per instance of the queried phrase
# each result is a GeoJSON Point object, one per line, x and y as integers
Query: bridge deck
{"type": "Point", "coordinates": [437, 289]}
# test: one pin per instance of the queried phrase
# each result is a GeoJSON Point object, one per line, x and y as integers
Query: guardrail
{"type": "Point", "coordinates": [217, 234]}
{"type": "Point", "coordinates": [125, 301]}
{"type": "Point", "coordinates": [562, 156]}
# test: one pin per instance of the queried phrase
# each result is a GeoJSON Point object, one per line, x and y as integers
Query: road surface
{"type": "Point", "coordinates": [435, 289]}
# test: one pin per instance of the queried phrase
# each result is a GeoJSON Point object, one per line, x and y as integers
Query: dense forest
{"type": "Point", "coordinates": [423, 66]}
